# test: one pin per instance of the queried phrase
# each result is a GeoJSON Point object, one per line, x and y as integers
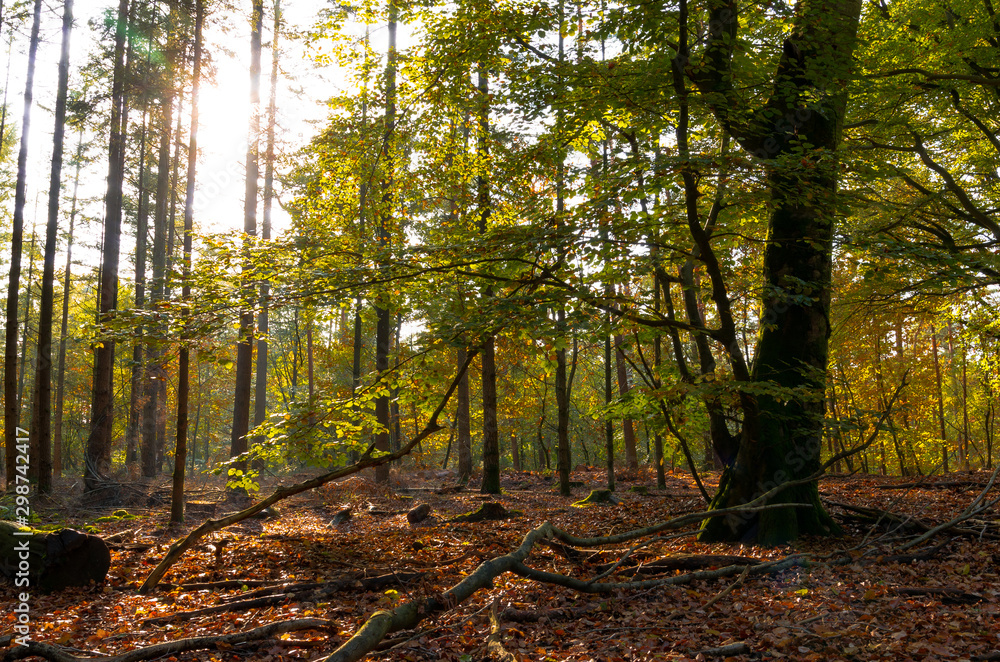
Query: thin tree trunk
{"type": "Point", "coordinates": [563, 458]}
{"type": "Point", "coordinates": [42, 411]}
{"type": "Point", "coordinates": [965, 408]}
{"type": "Point", "coordinates": [155, 404]}
{"type": "Point", "coordinates": [244, 347]}
{"type": "Point", "coordinates": [57, 454]}
{"type": "Point", "coordinates": [463, 421]}
{"type": "Point", "coordinates": [98, 454]}
{"type": "Point", "coordinates": [491, 435]}
{"type": "Point", "coordinates": [23, 371]}
{"type": "Point", "coordinates": [628, 427]}
{"type": "Point", "coordinates": [609, 293]}
{"type": "Point", "coordinates": [383, 319]}
{"type": "Point", "coordinates": [260, 394]}
{"type": "Point", "coordinates": [940, 402]}
{"type": "Point", "coordinates": [134, 430]}
{"type": "Point", "coordinates": [183, 363]}
{"type": "Point", "coordinates": [661, 477]}
{"type": "Point", "coordinates": [11, 403]}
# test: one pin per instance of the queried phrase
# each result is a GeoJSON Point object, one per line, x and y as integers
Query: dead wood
{"type": "Point", "coordinates": [488, 511]}
{"type": "Point", "coordinates": [418, 513]}
{"type": "Point", "coordinates": [494, 642]}
{"type": "Point", "coordinates": [927, 531]}
{"type": "Point", "coordinates": [57, 654]}
{"type": "Point", "coordinates": [729, 589]}
{"type": "Point", "coordinates": [55, 560]}
{"type": "Point", "coordinates": [570, 554]}
{"type": "Point", "coordinates": [932, 485]}
{"type": "Point", "coordinates": [683, 562]}
{"type": "Point", "coordinates": [536, 615]}
{"type": "Point", "coordinates": [305, 592]}
{"type": "Point", "coordinates": [602, 496]}
{"type": "Point", "coordinates": [341, 516]}
{"type": "Point", "coordinates": [241, 605]}
{"type": "Point", "coordinates": [409, 614]}
{"type": "Point", "coordinates": [739, 648]}
{"type": "Point", "coordinates": [221, 585]}
{"type": "Point", "coordinates": [366, 462]}
{"type": "Point", "coordinates": [986, 657]}
{"type": "Point", "coordinates": [914, 557]}
{"type": "Point", "coordinates": [947, 595]}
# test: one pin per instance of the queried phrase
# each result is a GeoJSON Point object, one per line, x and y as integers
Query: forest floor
{"type": "Point", "coordinates": [874, 607]}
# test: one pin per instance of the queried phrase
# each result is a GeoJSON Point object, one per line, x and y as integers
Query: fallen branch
{"type": "Point", "coordinates": [409, 614]}
{"type": "Point", "coordinates": [241, 605]}
{"type": "Point", "coordinates": [947, 595]}
{"type": "Point", "coordinates": [210, 526]}
{"type": "Point", "coordinates": [729, 589]}
{"type": "Point", "coordinates": [931, 485]}
{"type": "Point", "coordinates": [494, 642]}
{"type": "Point", "coordinates": [57, 654]}
{"type": "Point", "coordinates": [739, 648]}
{"type": "Point", "coordinates": [308, 592]}
{"type": "Point", "coordinates": [685, 562]}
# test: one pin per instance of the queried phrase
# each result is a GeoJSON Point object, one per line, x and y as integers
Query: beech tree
{"type": "Point", "coordinates": [796, 133]}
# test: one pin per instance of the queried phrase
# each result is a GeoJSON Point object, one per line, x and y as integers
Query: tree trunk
{"type": "Point", "coordinates": [155, 404]}
{"type": "Point", "coordinates": [23, 370]}
{"type": "Point", "coordinates": [491, 434]}
{"type": "Point", "coordinates": [57, 439]}
{"type": "Point", "coordinates": [383, 318]}
{"type": "Point", "coordinates": [628, 427]}
{"type": "Point", "coordinates": [98, 454]}
{"type": "Point", "coordinates": [42, 411]}
{"type": "Point", "coordinates": [260, 394]}
{"type": "Point", "coordinates": [940, 403]}
{"type": "Point", "coordinates": [781, 436]}
{"type": "Point", "coordinates": [11, 403]}
{"type": "Point", "coordinates": [183, 364]}
{"type": "Point", "coordinates": [133, 432]}
{"type": "Point", "coordinates": [463, 421]}
{"type": "Point", "coordinates": [244, 347]}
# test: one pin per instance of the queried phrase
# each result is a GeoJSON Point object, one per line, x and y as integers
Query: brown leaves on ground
{"type": "Point", "coordinates": [870, 609]}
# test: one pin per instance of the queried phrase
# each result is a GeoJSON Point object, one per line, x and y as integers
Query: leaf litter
{"type": "Point", "coordinates": [872, 607]}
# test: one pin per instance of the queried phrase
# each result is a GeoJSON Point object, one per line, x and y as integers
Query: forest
{"type": "Point", "coordinates": [692, 293]}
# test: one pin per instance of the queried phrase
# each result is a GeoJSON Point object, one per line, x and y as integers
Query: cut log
{"type": "Point", "coordinates": [53, 561]}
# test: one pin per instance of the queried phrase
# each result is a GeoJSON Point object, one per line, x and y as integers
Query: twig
{"type": "Point", "coordinates": [730, 588]}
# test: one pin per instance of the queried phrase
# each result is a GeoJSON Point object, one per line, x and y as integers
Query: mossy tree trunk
{"type": "Point", "coordinates": [795, 135]}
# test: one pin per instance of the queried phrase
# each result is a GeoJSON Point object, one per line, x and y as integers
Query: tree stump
{"type": "Point", "coordinates": [418, 513]}
{"type": "Point", "coordinates": [343, 515]}
{"type": "Point", "coordinates": [53, 561]}
{"type": "Point", "coordinates": [200, 509]}
{"type": "Point", "coordinates": [489, 510]}
{"type": "Point", "coordinates": [597, 497]}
